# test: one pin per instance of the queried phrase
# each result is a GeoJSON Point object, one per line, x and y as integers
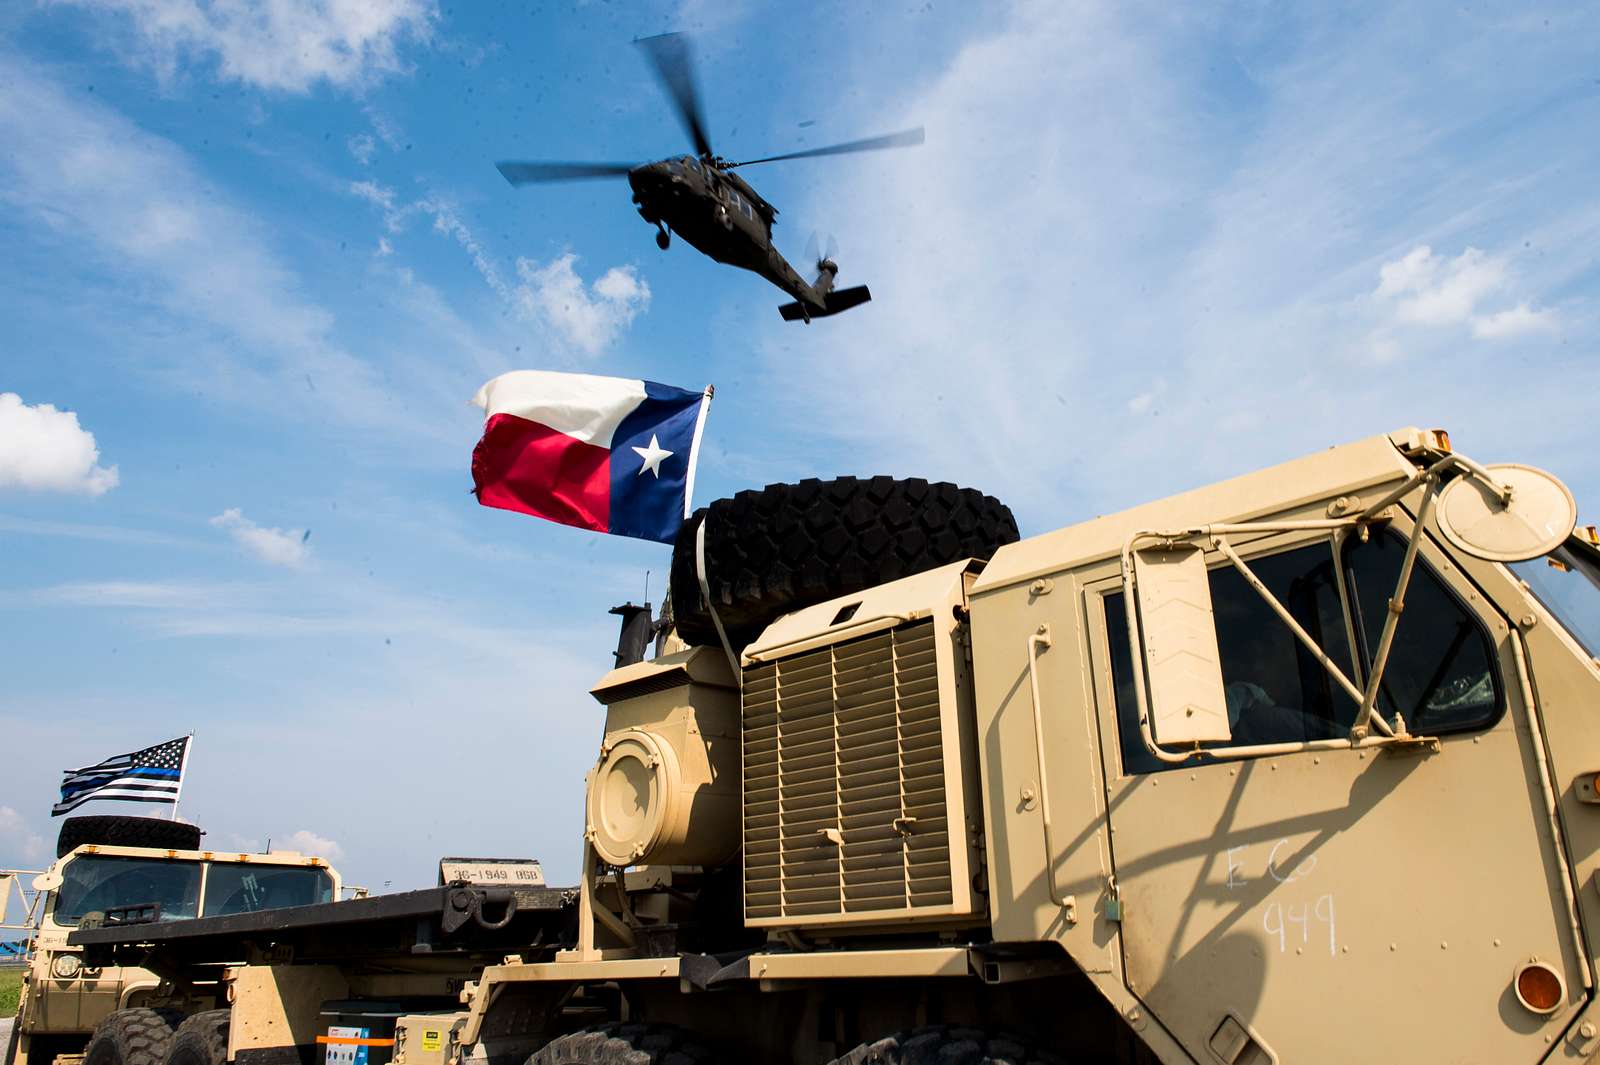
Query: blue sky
{"type": "Point", "coordinates": [264, 262]}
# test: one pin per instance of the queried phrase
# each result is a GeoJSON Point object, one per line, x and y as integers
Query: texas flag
{"type": "Point", "coordinates": [603, 453]}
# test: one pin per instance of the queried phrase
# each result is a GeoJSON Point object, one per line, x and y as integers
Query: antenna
{"type": "Point", "coordinates": [646, 587]}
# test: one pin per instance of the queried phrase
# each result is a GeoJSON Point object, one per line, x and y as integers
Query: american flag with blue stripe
{"type": "Point", "coordinates": [154, 774]}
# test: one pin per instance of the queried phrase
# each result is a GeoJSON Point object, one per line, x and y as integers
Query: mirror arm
{"type": "Point", "coordinates": [1434, 473]}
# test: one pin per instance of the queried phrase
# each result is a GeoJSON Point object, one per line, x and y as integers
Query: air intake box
{"type": "Point", "coordinates": [665, 789]}
{"type": "Point", "coordinates": [861, 796]}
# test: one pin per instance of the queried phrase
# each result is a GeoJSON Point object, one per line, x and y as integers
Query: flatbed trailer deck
{"type": "Point", "coordinates": [453, 920]}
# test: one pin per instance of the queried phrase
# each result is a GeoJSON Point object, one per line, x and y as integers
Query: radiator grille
{"type": "Point", "coordinates": [846, 741]}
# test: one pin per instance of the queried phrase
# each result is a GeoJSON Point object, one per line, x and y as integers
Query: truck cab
{"type": "Point", "coordinates": [63, 999]}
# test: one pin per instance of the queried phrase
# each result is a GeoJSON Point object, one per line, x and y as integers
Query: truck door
{"type": "Point", "coordinates": [1341, 905]}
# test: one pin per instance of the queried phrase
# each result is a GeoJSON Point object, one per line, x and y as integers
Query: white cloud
{"type": "Point", "coordinates": [588, 317]}
{"type": "Point", "coordinates": [387, 129]}
{"type": "Point", "coordinates": [141, 209]}
{"type": "Point", "coordinates": [1426, 289]}
{"type": "Point", "coordinates": [287, 45]}
{"type": "Point", "coordinates": [383, 199]}
{"type": "Point", "coordinates": [136, 595]}
{"type": "Point", "coordinates": [362, 147]}
{"type": "Point", "coordinates": [309, 843]}
{"type": "Point", "coordinates": [46, 450]}
{"type": "Point", "coordinates": [82, 531]}
{"type": "Point", "coordinates": [1520, 320]}
{"type": "Point", "coordinates": [279, 547]}
{"type": "Point", "coordinates": [1199, 199]}
{"type": "Point", "coordinates": [19, 841]}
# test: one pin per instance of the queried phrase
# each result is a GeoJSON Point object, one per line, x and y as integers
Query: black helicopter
{"type": "Point", "coordinates": [700, 198]}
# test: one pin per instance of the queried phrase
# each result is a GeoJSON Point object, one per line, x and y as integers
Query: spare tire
{"type": "Point", "coordinates": [114, 831]}
{"type": "Point", "coordinates": [787, 546]}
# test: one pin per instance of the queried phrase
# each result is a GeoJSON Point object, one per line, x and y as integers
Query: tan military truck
{"type": "Point", "coordinates": [115, 869]}
{"type": "Point", "coordinates": [1298, 768]}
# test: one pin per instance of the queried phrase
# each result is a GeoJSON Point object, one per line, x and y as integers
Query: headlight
{"type": "Point", "coordinates": [66, 966]}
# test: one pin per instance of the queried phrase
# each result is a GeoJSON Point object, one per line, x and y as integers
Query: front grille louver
{"type": "Point", "coordinates": [845, 791]}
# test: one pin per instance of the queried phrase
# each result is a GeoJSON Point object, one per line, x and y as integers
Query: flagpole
{"type": "Point", "coordinates": [183, 767]}
{"type": "Point", "coordinates": [694, 450]}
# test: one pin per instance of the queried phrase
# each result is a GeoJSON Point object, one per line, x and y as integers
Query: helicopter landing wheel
{"type": "Point", "coordinates": [663, 238]}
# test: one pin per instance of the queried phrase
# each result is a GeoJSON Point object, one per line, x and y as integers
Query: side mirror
{"type": "Point", "coordinates": [1184, 667]}
{"type": "Point", "coordinates": [1535, 516]}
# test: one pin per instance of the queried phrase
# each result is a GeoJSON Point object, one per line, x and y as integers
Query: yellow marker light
{"type": "Point", "coordinates": [1442, 438]}
{"type": "Point", "coordinates": [1539, 987]}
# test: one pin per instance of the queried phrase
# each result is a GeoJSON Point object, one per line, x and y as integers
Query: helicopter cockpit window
{"type": "Point", "coordinates": [744, 205]}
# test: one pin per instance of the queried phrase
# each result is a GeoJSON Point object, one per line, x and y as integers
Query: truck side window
{"type": "Point", "coordinates": [1276, 691]}
{"type": "Point", "coordinates": [1441, 673]}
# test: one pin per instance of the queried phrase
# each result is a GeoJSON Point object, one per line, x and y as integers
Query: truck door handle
{"type": "Point", "coordinates": [1041, 638]}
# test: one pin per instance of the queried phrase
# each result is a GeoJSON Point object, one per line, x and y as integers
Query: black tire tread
{"type": "Point", "coordinates": [110, 830]}
{"type": "Point", "coordinates": [138, 1036]}
{"type": "Point", "coordinates": [625, 1044]}
{"type": "Point", "coordinates": [949, 1045]}
{"type": "Point", "coordinates": [786, 546]}
{"type": "Point", "coordinates": [202, 1039]}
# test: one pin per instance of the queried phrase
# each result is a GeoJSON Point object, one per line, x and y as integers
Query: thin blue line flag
{"type": "Point", "coordinates": [154, 774]}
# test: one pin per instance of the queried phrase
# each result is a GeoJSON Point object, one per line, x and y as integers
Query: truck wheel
{"type": "Point", "coordinates": [116, 831]}
{"type": "Point", "coordinates": [786, 546]}
{"type": "Point", "coordinates": [132, 1037]}
{"type": "Point", "coordinates": [200, 1040]}
{"type": "Point", "coordinates": [942, 1045]}
{"type": "Point", "coordinates": [624, 1044]}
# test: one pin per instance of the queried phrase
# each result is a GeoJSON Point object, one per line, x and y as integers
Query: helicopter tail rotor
{"type": "Point", "coordinates": [826, 260]}
{"type": "Point", "coordinates": [824, 299]}
{"type": "Point", "coordinates": [827, 270]}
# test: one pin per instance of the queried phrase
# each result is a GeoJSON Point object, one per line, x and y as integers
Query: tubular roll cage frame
{"type": "Point", "coordinates": [1214, 537]}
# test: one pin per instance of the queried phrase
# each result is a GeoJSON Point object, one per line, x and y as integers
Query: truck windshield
{"type": "Point", "coordinates": [1567, 582]}
{"type": "Point", "coordinates": [95, 883]}
{"type": "Point", "coordinates": [247, 888]}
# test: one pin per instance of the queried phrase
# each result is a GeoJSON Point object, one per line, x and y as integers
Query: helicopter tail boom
{"type": "Point", "coordinates": [841, 299]}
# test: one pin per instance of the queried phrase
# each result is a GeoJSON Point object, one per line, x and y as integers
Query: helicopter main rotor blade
{"type": "Point", "coordinates": [903, 139]}
{"type": "Point", "coordinates": [524, 173]}
{"type": "Point", "coordinates": [673, 60]}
